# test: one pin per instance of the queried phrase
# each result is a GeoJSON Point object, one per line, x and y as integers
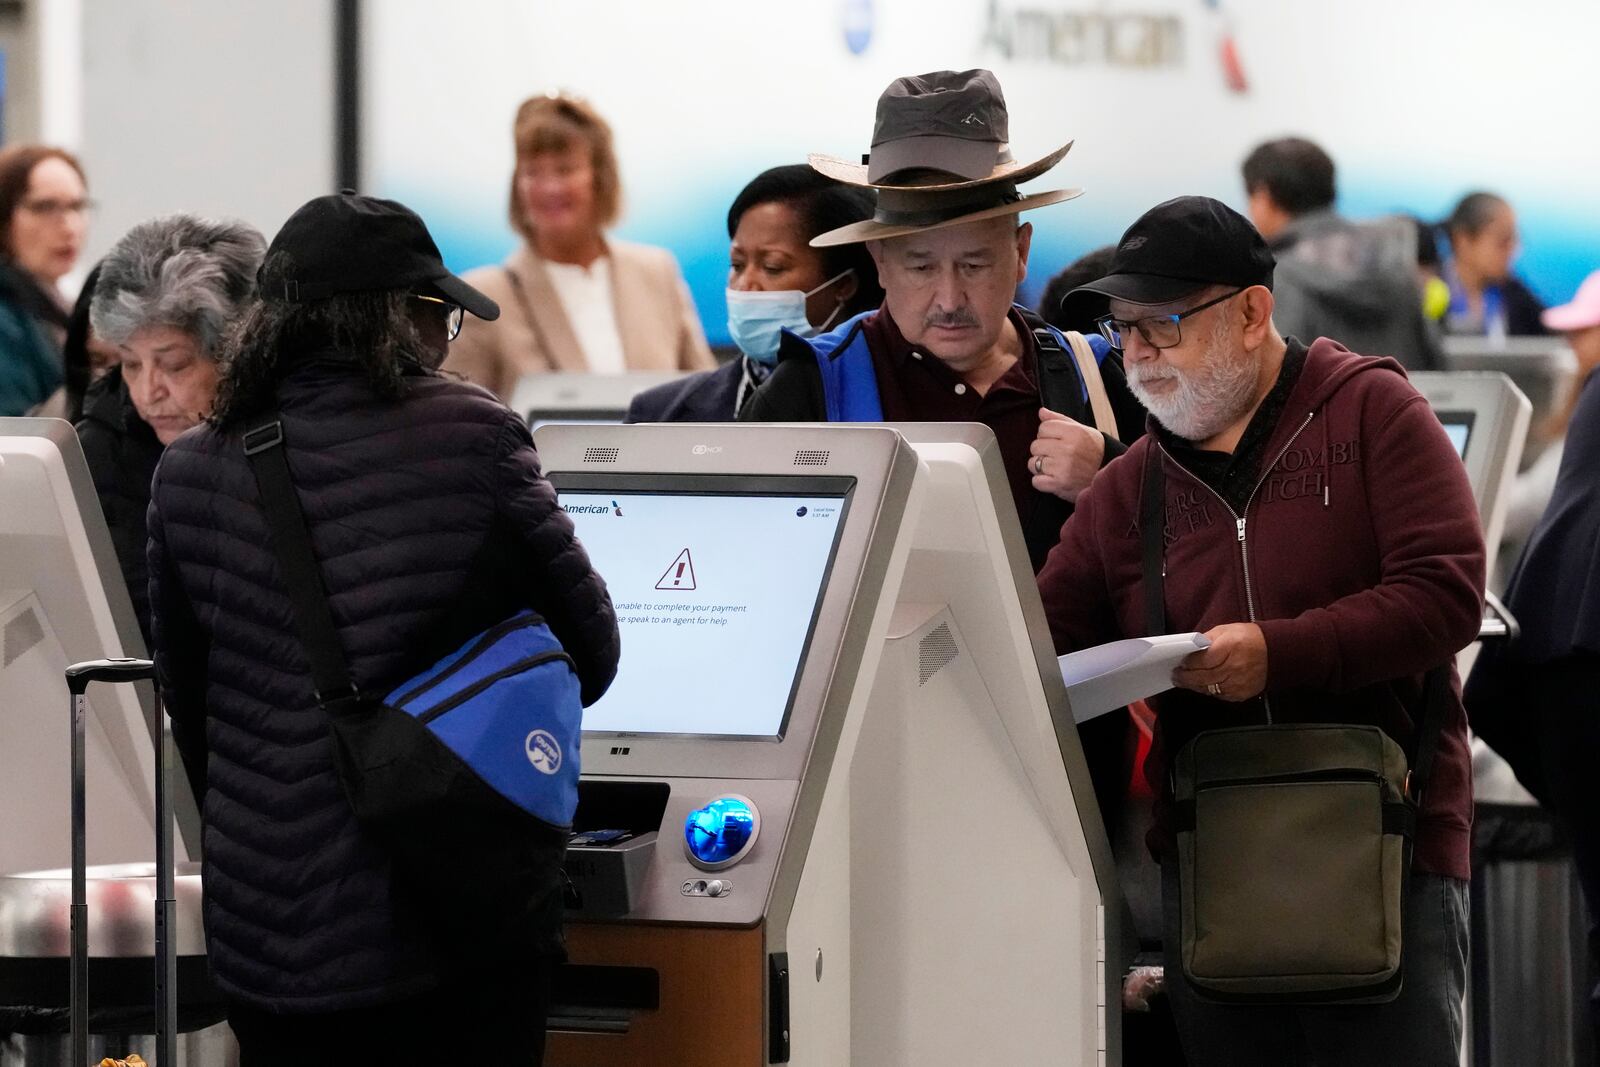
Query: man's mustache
{"type": "Point", "coordinates": [950, 320]}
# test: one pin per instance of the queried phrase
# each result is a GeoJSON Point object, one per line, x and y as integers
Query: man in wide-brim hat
{"type": "Point", "coordinates": [949, 344]}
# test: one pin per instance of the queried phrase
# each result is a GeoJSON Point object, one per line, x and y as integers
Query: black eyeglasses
{"type": "Point", "coordinates": [454, 314]}
{"type": "Point", "coordinates": [1158, 331]}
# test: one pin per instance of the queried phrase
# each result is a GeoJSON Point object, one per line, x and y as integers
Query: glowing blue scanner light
{"type": "Point", "coordinates": [721, 833]}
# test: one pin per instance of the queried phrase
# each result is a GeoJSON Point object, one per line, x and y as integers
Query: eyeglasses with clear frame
{"type": "Point", "coordinates": [1158, 331]}
{"type": "Point", "coordinates": [454, 314]}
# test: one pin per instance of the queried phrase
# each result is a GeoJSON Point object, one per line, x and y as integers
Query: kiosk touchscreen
{"type": "Point", "coordinates": [62, 600]}
{"type": "Point", "coordinates": [560, 396]}
{"type": "Point", "coordinates": [834, 798]}
{"type": "Point", "coordinates": [1486, 417]}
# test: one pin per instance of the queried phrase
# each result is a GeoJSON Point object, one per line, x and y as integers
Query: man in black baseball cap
{"type": "Point", "coordinates": [348, 243]}
{"type": "Point", "coordinates": [1175, 272]}
{"type": "Point", "coordinates": [1317, 526]}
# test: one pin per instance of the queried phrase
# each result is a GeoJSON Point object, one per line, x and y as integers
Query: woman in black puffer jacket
{"type": "Point", "coordinates": [431, 521]}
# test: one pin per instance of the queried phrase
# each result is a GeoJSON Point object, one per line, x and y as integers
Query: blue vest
{"type": "Point", "coordinates": [850, 384]}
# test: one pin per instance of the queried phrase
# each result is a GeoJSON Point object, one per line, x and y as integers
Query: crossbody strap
{"type": "Point", "coordinates": [291, 543]}
{"type": "Point", "coordinates": [1152, 520]}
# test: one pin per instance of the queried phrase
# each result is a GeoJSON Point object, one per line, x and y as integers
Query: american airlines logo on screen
{"type": "Point", "coordinates": [593, 509]}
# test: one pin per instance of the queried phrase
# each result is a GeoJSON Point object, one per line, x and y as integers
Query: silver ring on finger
{"type": "Point", "coordinates": [1038, 464]}
{"type": "Point", "coordinates": [1214, 689]}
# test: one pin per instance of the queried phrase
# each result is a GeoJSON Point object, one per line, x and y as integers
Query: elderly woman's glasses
{"type": "Point", "coordinates": [454, 314]}
{"type": "Point", "coordinates": [1158, 331]}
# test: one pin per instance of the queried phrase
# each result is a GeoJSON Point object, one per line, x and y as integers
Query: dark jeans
{"type": "Point", "coordinates": [1563, 702]}
{"type": "Point", "coordinates": [1422, 1027]}
{"type": "Point", "coordinates": [500, 1023]}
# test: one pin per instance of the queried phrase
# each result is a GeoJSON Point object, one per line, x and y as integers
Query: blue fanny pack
{"type": "Point", "coordinates": [507, 705]}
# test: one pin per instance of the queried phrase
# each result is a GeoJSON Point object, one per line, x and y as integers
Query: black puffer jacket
{"type": "Point", "coordinates": [431, 521]}
{"type": "Point", "coordinates": [122, 451]}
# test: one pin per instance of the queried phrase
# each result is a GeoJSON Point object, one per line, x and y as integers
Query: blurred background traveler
{"type": "Point", "coordinates": [1355, 282]}
{"type": "Point", "coordinates": [44, 209]}
{"type": "Point", "coordinates": [572, 298]}
{"type": "Point", "coordinates": [1485, 297]}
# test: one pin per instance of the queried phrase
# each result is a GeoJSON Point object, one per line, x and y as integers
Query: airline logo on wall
{"type": "Point", "coordinates": [1079, 37]}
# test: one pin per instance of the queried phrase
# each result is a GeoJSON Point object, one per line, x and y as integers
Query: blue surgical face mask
{"type": "Point", "coordinates": [757, 319]}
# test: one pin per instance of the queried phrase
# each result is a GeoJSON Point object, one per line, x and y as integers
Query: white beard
{"type": "Point", "coordinates": [1207, 400]}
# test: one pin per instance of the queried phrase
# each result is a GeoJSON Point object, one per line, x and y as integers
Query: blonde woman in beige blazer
{"type": "Point", "coordinates": [571, 299]}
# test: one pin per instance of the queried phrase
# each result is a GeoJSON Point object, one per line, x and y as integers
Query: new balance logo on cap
{"type": "Point", "coordinates": [1134, 244]}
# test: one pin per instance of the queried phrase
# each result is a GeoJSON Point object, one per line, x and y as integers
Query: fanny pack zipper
{"type": "Point", "coordinates": [527, 663]}
{"type": "Point", "coordinates": [481, 645]}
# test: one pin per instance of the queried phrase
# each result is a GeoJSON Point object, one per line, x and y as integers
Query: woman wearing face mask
{"type": "Point", "coordinates": [44, 208]}
{"type": "Point", "coordinates": [164, 296]}
{"type": "Point", "coordinates": [776, 282]}
{"type": "Point", "coordinates": [571, 298]}
{"type": "Point", "coordinates": [1485, 297]}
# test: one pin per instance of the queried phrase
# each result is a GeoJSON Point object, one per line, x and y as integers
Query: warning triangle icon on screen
{"type": "Point", "coordinates": [680, 575]}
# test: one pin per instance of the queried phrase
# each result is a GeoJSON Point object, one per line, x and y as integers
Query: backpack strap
{"type": "Point", "coordinates": [1086, 379]}
{"type": "Point", "coordinates": [291, 543]}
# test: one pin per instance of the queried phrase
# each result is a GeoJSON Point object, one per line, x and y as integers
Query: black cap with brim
{"type": "Point", "coordinates": [347, 243]}
{"type": "Point", "coordinates": [459, 292]}
{"type": "Point", "coordinates": [1180, 247]}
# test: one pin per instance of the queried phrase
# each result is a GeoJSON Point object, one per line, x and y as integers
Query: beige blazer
{"type": "Point", "coordinates": [656, 319]}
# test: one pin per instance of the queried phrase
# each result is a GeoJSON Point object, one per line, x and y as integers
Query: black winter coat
{"type": "Point", "coordinates": [431, 521]}
{"type": "Point", "coordinates": [122, 451]}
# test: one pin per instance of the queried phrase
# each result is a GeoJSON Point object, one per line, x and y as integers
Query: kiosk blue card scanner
{"type": "Point", "coordinates": [834, 809]}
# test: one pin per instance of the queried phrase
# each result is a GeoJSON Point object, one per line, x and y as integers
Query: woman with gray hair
{"type": "Point", "coordinates": [165, 295]}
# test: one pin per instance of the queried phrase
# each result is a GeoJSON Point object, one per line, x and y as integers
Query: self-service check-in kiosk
{"type": "Point", "coordinates": [63, 599]}
{"type": "Point", "coordinates": [833, 809]}
{"type": "Point", "coordinates": [1486, 417]}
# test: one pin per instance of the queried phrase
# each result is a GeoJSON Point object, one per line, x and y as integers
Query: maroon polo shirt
{"type": "Point", "coordinates": [916, 386]}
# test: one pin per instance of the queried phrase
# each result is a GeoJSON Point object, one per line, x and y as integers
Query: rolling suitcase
{"type": "Point", "coordinates": [123, 671]}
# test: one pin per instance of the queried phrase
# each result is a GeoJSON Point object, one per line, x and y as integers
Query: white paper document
{"type": "Point", "coordinates": [1105, 677]}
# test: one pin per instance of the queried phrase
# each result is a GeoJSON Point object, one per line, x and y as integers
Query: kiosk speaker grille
{"type": "Point", "coordinates": [811, 458]}
{"type": "Point", "coordinates": [935, 651]}
{"type": "Point", "coordinates": [601, 455]}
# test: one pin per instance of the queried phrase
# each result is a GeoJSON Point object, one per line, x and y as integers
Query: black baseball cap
{"type": "Point", "coordinates": [1182, 246]}
{"type": "Point", "coordinates": [348, 243]}
{"type": "Point", "coordinates": [951, 121]}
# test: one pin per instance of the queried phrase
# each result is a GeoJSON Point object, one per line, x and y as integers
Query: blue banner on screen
{"type": "Point", "coordinates": [716, 595]}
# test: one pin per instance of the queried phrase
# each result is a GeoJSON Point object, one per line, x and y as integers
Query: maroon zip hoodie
{"type": "Point", "coordinates": [1359, 554]}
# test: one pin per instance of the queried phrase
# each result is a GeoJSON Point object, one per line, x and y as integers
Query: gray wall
{"type": "Point", "coordinates": [219, 108]}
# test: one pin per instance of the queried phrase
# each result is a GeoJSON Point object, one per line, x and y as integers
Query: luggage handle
{"type": "Point", "coordinates": [117, 672]}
